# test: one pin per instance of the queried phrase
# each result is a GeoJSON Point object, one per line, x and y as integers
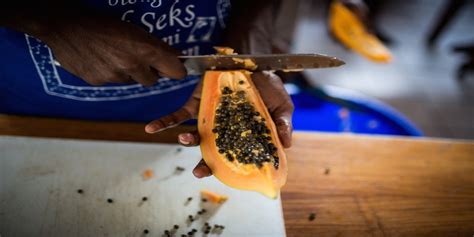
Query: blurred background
{"type": "Point", "coordinates": [424, 81]}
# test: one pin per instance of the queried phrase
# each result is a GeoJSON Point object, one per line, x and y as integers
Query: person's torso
{"type": "Point", "coordinates": [32, 84]}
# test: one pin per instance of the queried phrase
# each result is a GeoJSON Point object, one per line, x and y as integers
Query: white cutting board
{"type": "Point", "coordinates": [39, 180]}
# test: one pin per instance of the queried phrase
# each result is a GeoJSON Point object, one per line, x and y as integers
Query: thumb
{"type": "Point", "coordinates": [284, 127]}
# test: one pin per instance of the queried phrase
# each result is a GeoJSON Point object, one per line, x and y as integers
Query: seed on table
{"type": "Point", "coordinates": [146, 231]}
{"type": "Point", "coordinates": [189, 199]}
{"type": "Point", "coordinates": [167, 232]}
{"type": "Point", "coordinates": [312, 216]}
{"type": "Point", "coordinates": [144, 199]}
{"type": "Point", "coordinates": [179, 168]}
{"type": "Point", "coordinates": [204, 200]}
{"type": "Point", "coordinates": [110, 200]}
{"type": "Point", "coordinates": [80, 191]}
{"type": "Point", "coordinates": [176, 226]}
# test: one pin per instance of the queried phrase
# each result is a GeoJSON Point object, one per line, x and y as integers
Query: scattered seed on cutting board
{"type": "Point", "coordinates": [80, 191]}
{"type": "Point", "coordinates": [176, 226]}
{"type": "Point", "coordinates": [144, 198]}
{"type": "Point", "coordinates": [204, 200]}
{"type": "Point", "coordinates": [146, 231]}
{"type": "Point", "coordinates": [327, 171]}
{"type": "Point", "coordinates": [110, 200]}
{"type": "Point", "coordinates": [312, 216]}
{"type": "Point", "coordinates": [219, 227]}
{"type": "Point", "coordinates": [179, 168]}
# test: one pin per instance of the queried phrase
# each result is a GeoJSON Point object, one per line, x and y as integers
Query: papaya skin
{"type": "Point", "coordinates": [267, 180]}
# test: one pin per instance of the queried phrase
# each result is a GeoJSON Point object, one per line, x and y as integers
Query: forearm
{"type": "Point", "coordinates": [22, 17]}
{"type": "Point", "coordinates": [38, 18]}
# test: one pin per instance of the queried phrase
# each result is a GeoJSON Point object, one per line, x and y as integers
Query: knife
{"type": "Point", "coordinates": [197, 65]}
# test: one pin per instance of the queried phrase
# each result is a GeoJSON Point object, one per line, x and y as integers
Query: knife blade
{"type": "Point", "coordinates": [197, 65]}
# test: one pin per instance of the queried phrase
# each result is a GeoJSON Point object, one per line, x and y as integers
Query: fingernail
{"type": "Point", "coordinates": [197, 173]}
{"type": "Point", "coordinates": [152, 128]}
{"type": "Point", "coordinates": [200, 173]}
{"type": "Point", "coordinates": [183, 138]}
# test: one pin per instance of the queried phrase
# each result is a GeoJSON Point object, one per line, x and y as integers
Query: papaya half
{"type": "Point", "coordinates": [239, 140]}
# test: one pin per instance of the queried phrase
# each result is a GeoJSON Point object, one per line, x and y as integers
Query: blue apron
{"type": "Point", "coordinates": [32, 84]}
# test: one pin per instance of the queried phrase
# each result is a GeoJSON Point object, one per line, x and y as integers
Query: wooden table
{"type": "Point", "coordinates": [356, 185]}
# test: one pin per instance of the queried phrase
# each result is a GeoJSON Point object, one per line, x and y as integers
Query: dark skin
{"type": "Point", "coordinates": [98, 48]}
{"type": "Point", "coordinates": [102, 49]}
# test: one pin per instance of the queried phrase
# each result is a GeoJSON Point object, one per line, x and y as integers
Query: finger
{"type": "Point", "coordinates": [167, 63]}
{"type": "Point", "coordinates": [89, 78]}
{"type": "Point", "coordinates": [128, 80]}
{"type": "Point", "coordinates": [93, 81]}
{"type": "Point", "coordinates": [168, 121]}
{"type": "Point", "coordinates": [145, 76]}
{"type": "Point", "coordinates": [189, 138]}
{"type": "Point", "coordinates": [278, 103]}
{"type": "Point", "coordinates": [119, 78]}
{"type": "Point", "coordinates": [202, 170]}
{"type": "Point", "coordinates": [284, 129]}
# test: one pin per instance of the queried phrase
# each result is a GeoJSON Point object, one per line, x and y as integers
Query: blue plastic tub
{"type": "Point", "coordinates": [332, 109]}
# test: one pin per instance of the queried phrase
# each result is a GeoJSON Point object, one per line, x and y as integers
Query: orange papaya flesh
{"type": "Point", "coordinates": [213, 197]}
{"type": "Point", "coordinates": [350, 31]}
{"type": "Point", "coordinates": [239, 141]}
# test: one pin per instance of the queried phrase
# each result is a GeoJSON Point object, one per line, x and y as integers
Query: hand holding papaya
{"type": "Point", "coordinates": [273, 94]}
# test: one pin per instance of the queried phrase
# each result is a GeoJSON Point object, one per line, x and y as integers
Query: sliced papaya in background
{"type": "Point", "coordinates": [239, 140]}
{"type": "Point", "coordinates": [350, 31]}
